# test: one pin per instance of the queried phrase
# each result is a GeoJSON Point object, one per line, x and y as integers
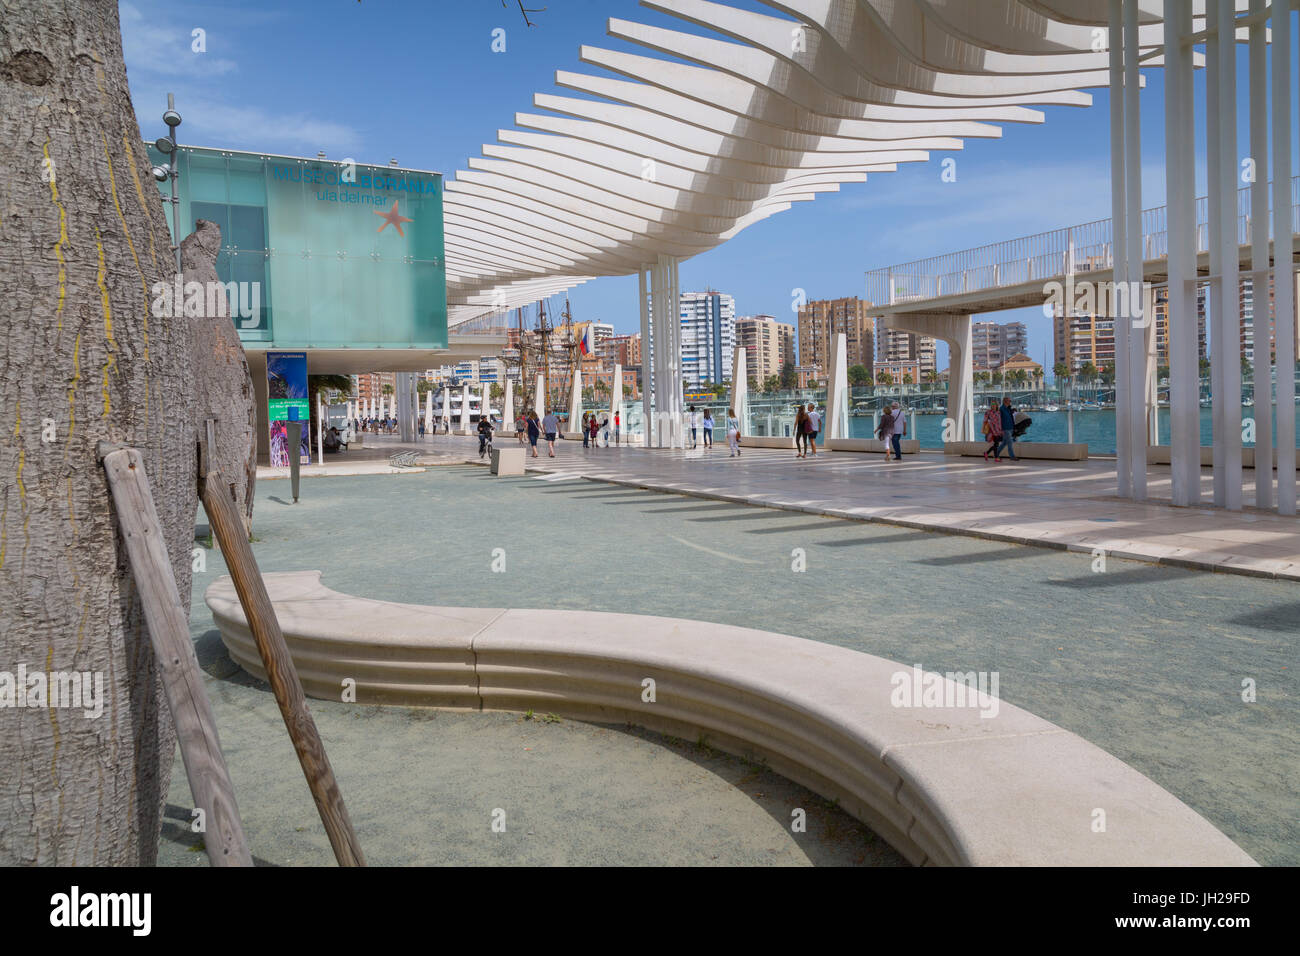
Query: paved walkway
{"type": "Point", "coordinates": [1070, 505]}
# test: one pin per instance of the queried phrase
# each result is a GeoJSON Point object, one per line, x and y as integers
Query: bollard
{"type": "Point", "coordinates": [295, 445]}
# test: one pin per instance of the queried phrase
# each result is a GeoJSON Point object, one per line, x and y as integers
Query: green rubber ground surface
{"type": "Point", "coordinates": [1146, 662]}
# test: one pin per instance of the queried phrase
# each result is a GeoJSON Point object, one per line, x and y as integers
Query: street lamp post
{"type": "Point", "coordinates": [168, 171]}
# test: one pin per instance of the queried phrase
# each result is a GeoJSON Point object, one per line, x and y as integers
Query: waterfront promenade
{"type": "Point", "coordinates": [1066, 505]}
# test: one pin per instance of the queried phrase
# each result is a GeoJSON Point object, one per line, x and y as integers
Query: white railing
{"type": "Point", "coordinates": [1043, 256]}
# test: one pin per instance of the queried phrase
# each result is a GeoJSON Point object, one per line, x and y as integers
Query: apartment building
{"type": "Point", "coordinates": [820, 320]}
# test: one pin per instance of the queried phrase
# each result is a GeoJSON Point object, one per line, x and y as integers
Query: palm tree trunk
{"type": "Point", "coordinates": [82, 243]}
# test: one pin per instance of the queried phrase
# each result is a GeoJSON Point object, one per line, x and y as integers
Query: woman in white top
{"type": "Point", "coordinates": [733, 433]}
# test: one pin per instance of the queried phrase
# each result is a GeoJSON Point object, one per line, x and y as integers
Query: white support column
{"type": "Point", "coordinates": [464, 409]}
{"type": "Point", "coordinates": [485, 403]}
{"type": "Point", "coordinates": [647, 404]}
{"type": "Point", "coordinates": [428, 413]}
{"type": "Point", "coordinates": [1119, 252]}
{"type": "Point", "coordinates": [1213, 299]}
{"type": "Point", "coordinates": [1141, 319]}
{"type": "Point", "coordinates": [665, 323]}
{"type": "Point", "coordinates": [740, 388]}
{"type": "Point", "coordinates": [1227, 488]}
{"type": "Point", "coordinates": [616, 401]}
{"type": "Point", "coordinates": [320, 430]}
{"type": "Point", "coordinates": [539, 397]}
{"type": "Point", "coordinates": [837, 389]}
{"type": "Point", "coordinates": [446, 406]}
{"type": "Point", "coordinates": [508, 408]}
{"type": "Point", "coordinates": [1284, 288]}
{"type": "Point", "coordinates": [956, 331]}
{"type": "Point", "coordinates": [1180, 174]}
{"type": "Point", "coordinates": [1262, 389]}
{"type": "Point", "coordinates": [575, 400]}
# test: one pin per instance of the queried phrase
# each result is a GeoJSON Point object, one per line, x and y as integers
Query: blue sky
{"type": "Point", "coordinates": [418, 81]}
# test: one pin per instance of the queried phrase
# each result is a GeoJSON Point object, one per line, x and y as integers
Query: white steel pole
{"type": "Point", "coordinates": [1284, 328]}
{"type": "Point", "coordinates": [1262, 388]}
{"type": "Point", "coordinates": [1228, 241]}
{"type": "Point", "coordinates": [1214, 225]}
{"type": "Point", "coordinates": [1182, 338]}
{"type": "Point", "coordinates": [1140, 321]}
{"type": "Point", "coordinates": [647, 407]}
{"type": "Point", "coordinates": [1119, 255]}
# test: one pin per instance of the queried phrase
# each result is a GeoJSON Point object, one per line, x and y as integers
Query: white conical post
{"type": "Point", "coordinates": [575, 400]}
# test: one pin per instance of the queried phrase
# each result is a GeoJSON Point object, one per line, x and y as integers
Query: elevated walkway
{"type": "Point", "coordinates": [1013, 274]}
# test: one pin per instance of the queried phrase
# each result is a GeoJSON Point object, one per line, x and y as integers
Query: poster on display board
{"type": "Point", "coordinates": [286, 400]}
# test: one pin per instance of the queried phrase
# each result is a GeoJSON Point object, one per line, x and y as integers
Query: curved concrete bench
{"type": "Point", "coordinates": [942, 784]}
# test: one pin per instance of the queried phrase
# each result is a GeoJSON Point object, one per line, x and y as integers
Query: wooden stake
{"type": "Point", "coordinates": [169, 633]}
{"type": "Point", "coordinates": [280, 670]}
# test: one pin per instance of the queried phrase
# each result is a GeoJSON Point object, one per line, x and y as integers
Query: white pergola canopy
{"type": "Point", "coordinates": [675, 156]}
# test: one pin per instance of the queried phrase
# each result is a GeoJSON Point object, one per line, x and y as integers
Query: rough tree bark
{"type": "Point", "coordinates": [82, 242]}
{"type": "Point", "coordinates": [224, 384]}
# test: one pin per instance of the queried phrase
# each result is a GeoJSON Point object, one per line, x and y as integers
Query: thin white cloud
{"type": "Point", "coordinates": [150, 45]}
{"type": "Point", "coordinates": [247, 127]}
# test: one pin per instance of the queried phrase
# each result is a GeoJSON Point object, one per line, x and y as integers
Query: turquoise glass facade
{"type": "Point", "coordinates": [335, 256]}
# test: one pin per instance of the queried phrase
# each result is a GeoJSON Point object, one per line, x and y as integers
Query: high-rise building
{"type": "Point", "coordinates": [992, 343]}
{"type": "Point", "coordinates": [708, 337]}
{"type": "Point", "coordinates": [625, 349]}
{"type": "Point", "coordinates": [604, 333]}
{"type": "Point", "coordinates": [768, 345]}
{"type": "Point", "coordinates": [369, 386]}
{"type": "Point", "coordinates": [895, 345]}
{"type": "Point", "coordinates": [821, 320]}
{"type": "Point", "coordinates": [1085, 337]}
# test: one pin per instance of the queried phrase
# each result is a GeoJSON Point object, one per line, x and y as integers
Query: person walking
{"type": "Point", "coordinates": [800, 432]}
{"type": "Point", "coordinates": [814, 427]}
{"type": "Point", "coordinates": [617, 422]}
{"type": "Point", "coordinates": [885, 430]}
{"type": "Point", "coordinates": [521, 427]}
{"type": "Point", "coordinates": [900, 429]}
{"type": "Point", "coordinates": [733, 433]}
{"type": "Point", "coordinates": [708, 428]}
{"type": "Point", "coordinates": [696, 422]}
{"type": "Point", "coordinates": [586, 420]}
{"type": "Point", "coordinates": [992, 429]}
{"type": "Point", "coordinates": [593, 426]}
{"type": "Point", "coordinates": [1008, 418]}
{"type": "Point", "coordinates": [550, 427]}
{"type": "Point", "coordinates": [534, 431]}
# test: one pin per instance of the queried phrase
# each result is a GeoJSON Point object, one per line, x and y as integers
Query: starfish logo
{"type": "Point", "coordinates": [393, 218]}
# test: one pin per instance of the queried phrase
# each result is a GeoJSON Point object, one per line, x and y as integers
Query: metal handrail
{"type": "Point", "coordinates": [1044, 255]}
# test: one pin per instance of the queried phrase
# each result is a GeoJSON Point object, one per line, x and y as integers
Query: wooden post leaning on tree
{"type": "Point", "coordinates": [224, 518]}
{"type": "Point", "coordinates": [169, 631]}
